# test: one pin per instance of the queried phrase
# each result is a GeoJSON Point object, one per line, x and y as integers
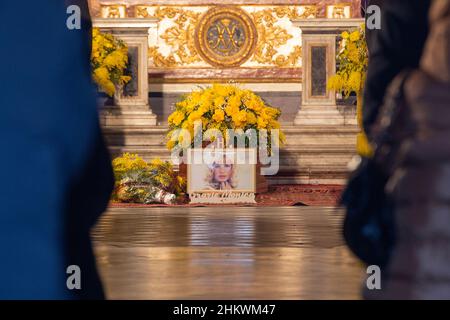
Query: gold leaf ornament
{"type": "Point", "coordinates": [179, 37]}
{"type": "Point", "coordinates": [272, 37]}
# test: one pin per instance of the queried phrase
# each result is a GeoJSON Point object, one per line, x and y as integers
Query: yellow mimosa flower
{"type": "Point", "coordinates": [251, 118]}
{"type": "Point", "coordinates": [219, 115]}
{"type": "Point", "coordinates": [355, 36]}
{"type": "Point", "coordinates": [261, 123]}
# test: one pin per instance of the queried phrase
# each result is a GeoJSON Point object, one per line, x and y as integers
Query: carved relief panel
{"type": "Point", "coordinates": [257, 37]}
{"type": "Point", "coordinates": [227, 36]}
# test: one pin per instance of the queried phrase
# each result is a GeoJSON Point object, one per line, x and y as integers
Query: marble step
{"type": "Point", "coordinates": [311, 135]}
{"type": "Point", "coordinates": [290, 157]}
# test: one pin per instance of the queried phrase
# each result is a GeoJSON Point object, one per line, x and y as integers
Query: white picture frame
{"type": "Point", "coordinates": [221, 175]}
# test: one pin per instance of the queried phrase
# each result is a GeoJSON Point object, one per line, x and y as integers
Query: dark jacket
{"type": "Point", "coordinates": [398, 45]}
{"type": "Point", "coordinates": [55, 176]}
{"type": "Point", "coordinates": [420, 184]}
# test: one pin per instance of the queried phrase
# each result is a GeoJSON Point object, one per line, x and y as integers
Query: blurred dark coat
{"type": "Point", "coordinates": [55, 172]}
{"type": "Point", "coordinates": [398, 45]}
{"type": "Point", "coordinates": [420, 185]}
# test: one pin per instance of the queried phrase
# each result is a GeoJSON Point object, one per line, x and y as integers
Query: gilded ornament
{"type": "Point", "coordinates": [180, 37]}
{"type": "Point", "coordinates": [226, 36]}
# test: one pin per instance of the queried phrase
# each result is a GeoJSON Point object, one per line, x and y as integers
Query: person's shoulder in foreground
{"type": "Point", "coordinates": [396, 46]}
{"type": "Point", "coordinates": [55, 173]}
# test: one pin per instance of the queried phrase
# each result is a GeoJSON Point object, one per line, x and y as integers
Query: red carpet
{"type": "Point", "coordinates": [280, 195]}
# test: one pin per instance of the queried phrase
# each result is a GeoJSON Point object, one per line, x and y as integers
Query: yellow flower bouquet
{"type": "Point", "coordinates": [351, 76]}
{"type": "Point", "coordinates": [352, 63]}
{"type": "Point", "coordinates": [138, 181]}
{"type": "Point", "coordinates": [222, 107]}
{"type": "Point", "coordinates": [109, 61]}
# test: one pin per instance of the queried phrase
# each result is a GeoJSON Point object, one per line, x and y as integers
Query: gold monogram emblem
{"type": "Point", "coordinates": [226, 36]}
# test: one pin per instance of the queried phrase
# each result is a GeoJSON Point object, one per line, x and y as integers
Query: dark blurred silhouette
{"type": "Point", "coordinates": [420, 180]}
{"type": "Point", "coordinates": [397, 46]}
{"type": "Point", "coordinates": [55, 176]}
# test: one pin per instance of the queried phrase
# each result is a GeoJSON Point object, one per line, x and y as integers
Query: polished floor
{"type": "Point", "coordinates": [225, 253]}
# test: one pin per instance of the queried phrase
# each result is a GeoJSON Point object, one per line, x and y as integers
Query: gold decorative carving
{"type": "Point", "coordinates": [113, 11]}
{"type": "Point", "coordinates": [339, 11]}
{"type": "Point", "coordinates": [141, 12]}
{"type": "Point", "coordinates": [309, 12]}
{"type": "Point", "coordinates": [188, 40]}
{"type": "Point", "coordinates": [295, 12]}
{"type": "Point", "coordinates": [226, 36]}
{"type": "Point", "coordinates": [180, 37]}
{"type": "Point", "coordinates": [272, 37]}
{"type": "Point", "coordinates": [159, 60]}
{"type": "Point", "coordinates": [290, 60]}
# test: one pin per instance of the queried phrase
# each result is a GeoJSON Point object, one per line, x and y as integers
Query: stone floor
{"type": "Point", "coordinates": [225, 253]}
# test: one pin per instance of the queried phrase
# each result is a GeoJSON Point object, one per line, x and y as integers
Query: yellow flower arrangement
{"type": "Point", "coordinates": [352, 62]}
{"type": "Point", "coordinates": [127, 162]}
{"type": "Point", "coordinates": [351, 76]}
{"type": "Point", "coordinates": [109, 61]}
{"type": "Point", "coordinates": [223, 107]}
{"type": "Point", "coordinates": [131, 169]}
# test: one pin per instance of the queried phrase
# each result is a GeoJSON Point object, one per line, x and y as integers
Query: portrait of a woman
{"type": "Point", "coordinates": [222, 172]}
{"type": "Point", "coordinates": [221, 176]}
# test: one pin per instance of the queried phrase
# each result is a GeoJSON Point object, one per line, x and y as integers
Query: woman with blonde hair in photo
{"type": "Point", "coordinates": [221, 175]}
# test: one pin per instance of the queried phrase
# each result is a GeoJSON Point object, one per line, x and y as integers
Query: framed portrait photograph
{"type": "Point", "coordinates": [221, 175]}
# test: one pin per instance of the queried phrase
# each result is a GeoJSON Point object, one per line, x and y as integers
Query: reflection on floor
{"type": "Point", "coordinates": [225, 253]}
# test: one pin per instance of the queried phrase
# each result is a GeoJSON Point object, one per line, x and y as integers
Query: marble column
{"type": "Point", "coordinates": [319, 42]}
{"type": "Point", "coordinates": [131, 102]}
